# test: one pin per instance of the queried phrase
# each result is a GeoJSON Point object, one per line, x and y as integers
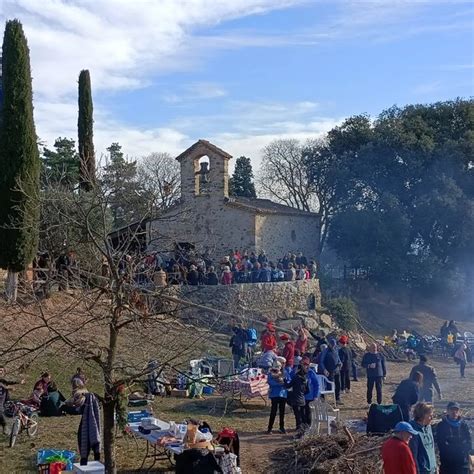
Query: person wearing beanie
{"type": "Point", "coordinates": [454, 442]}
{"type": "Point", "coordinates": [396, 454]}
{"type": "Point", "coordinates": [331, 364]}
{"type": "Point", "coordinates": [345, 354]}
{"type": "Point", "coordinates": [430, 380]}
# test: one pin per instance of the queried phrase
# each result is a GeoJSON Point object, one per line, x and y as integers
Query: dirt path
{"type": "Point", "coordinates": [256, 446]}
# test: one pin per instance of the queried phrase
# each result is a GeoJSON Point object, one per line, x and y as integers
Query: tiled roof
{"type": "Point", "coordinates": [266, 206]}
{"type": "Point", "coordinates": [205, 144]}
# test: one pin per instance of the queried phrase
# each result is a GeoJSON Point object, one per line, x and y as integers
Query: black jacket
{"type": "Point", "coordinates": [407, 393]}
{"type": "Point", "coordinates": [299, 386]}
{"type": "Point", "coordinates": [345, 354]}
{"type": "Point", "coordinates": [455, 445]}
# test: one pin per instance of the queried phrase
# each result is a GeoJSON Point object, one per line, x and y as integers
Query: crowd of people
{"type": "Point", "coordinates": [292, 370]}
{"type": "Point", "coordinates": [195, 269]}
{"type": "Point", "coordinates": [46, 396]}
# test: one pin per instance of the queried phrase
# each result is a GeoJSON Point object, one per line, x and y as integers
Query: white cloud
{"type": "Point", "coordinates": [196, 91]}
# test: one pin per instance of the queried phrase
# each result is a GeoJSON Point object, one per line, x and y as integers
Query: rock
{"type": "Point", "coordinates": [326, 320]}
{"type": "Point", "coordinates": [311, 323]}
{"type": "Point", "coordinates": [292, 323]}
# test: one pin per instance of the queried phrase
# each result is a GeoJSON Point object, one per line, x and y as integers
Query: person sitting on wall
{"type": "Point", "coordinates": [193, 276]}
{"type": "Point", "coordinates": [226, 278]}
{"type": "Point", "coordinates": [265, 273]}
{"type": "Point", "coordinates": [211, 277]}
{"type": "Point", "coordinates": [255, 275]}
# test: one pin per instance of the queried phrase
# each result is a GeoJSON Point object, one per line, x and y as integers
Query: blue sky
{"type": "Point", "coordinates": [238, 72]}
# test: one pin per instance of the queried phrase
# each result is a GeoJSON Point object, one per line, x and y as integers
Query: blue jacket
{"type": "Point", "coordinates": [330, 360]}
{"type": "Point", "coordinates": [313, 384]}
{"type": "Point", "coordinates": [423, 450]}
{"type": "Point", "coordinates": [277, 389]}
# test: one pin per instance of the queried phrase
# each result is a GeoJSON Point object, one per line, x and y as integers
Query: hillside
{"type": "Point", "coordinates": [380, 313]}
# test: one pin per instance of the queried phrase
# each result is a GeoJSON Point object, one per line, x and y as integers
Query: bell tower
{"type": "Point", "coordinates": [204, 172]}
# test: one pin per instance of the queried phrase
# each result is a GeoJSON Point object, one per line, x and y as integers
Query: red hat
{"type": "Point", "coordinates": [284, 337]}
{"type": "Point", "coordinates": [343, 339]}
{"type": "Point", "coordinates": [270, 326]}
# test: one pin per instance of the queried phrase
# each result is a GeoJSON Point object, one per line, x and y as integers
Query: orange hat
{"type": "Point", "coordinates": [343, 339]}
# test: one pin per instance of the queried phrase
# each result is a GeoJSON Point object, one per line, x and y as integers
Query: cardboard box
{"type": "Point", "coordinates": [179, 393]}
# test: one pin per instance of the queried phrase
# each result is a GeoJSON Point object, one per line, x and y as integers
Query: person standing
{"type": "Point", "coordinates": [408, 393]}
{"type": "Point", "coordinates": [460, 357]}
{"type": "Point", "coordinates": [288, 350]}
{"type": "Point", "coordinates": [396, 454]}
{"type": "Point", "coordinates": [374, 362]}
{"type": "Point", "coordinates": [277, 396]}
{"type": "Point", "coordinates": [238, 345]}
{"type": "Point", "coordinates": [345, 354]}
{"type": "Point", "coordinates": [430, 380]}
{"type": "Point", "coordinates": [4, 392]}
{"type": "Point", "coordinates": [299, 387]}
{"type": "Point", "coordinates": [423, 446]}
{"type": "Point", "coordinates": [313, 390]}
{"type": "Point", "coordinates": [301, 343]}
{"type": "Point", "coordinates": [454, 442]}
{"type": "Point", "coordinates": [331, 366]}
{"type": "Point", "coordinates": [268, 338]}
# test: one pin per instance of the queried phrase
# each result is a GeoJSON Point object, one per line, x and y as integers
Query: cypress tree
{"type": "Point", "coordinates": [19, 159]}
{"type": "Point", "coordinates": [241, 183]}
{"type": "Point", "coordinates": [85, 130]}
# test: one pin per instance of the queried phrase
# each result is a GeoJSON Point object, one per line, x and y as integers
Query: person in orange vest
{"type": "Point", "coordinates": [268, 338]}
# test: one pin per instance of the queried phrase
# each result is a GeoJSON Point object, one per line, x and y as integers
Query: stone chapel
{"type": "Point", "coordinates": [208, 219]}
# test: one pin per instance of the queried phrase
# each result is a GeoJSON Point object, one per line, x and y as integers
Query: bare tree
{"type": "Point", "coordinates": [159, 176]}
{"type": "Point", "coordinates": [283, 175]}
{"type": "Point", "coordinates": [110, 320]}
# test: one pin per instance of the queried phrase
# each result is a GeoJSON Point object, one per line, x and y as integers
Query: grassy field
{"type": "Point", "coordinates": [251, 423]}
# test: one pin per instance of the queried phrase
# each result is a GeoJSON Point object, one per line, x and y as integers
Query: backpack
{"type": "Point", "coordinates": [251, 336]}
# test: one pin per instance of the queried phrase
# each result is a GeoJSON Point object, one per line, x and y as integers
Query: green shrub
{"type": "Point", "coordinates": [344, 310]}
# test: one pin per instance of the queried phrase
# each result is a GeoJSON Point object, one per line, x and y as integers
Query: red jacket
{"type": "Point", "coordinates": [397, 457]}
{"type": "Point", "coordinates": [301, 345]}
{"type": "Point", "coordinates": [289, 353]}
{"type": "Point", "coordinates": [268, 341]}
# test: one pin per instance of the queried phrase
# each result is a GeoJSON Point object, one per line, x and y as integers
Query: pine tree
{"type": "Point", "coordinates": [85, 131]}
{"type": "Point", "coordinates": [19, 159]}
{"type": "Point", "coordinates": [62, 165]}
{"type": "Point", "coordinates": [124, 192]}
{"type": "Point", "coordinates": [241, 183]}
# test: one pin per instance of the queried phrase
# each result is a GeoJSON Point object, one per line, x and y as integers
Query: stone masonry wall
{"type": "Point", "coordinates": [279, 302]}
{"type": "Point", "coordinates": [280, 234]}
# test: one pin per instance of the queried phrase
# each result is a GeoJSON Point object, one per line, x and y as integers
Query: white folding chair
{"type": "Point", "coordinates": [322, 414]}
{"type": "Point", "coordinates": [326, 387]}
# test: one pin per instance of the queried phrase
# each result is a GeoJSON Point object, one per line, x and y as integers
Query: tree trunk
{"type": "Point", "coordinates": [109, 436]}
{"type": "Point", "coordinates": [11, 286]}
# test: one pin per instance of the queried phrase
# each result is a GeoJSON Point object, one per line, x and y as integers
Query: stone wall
{"type": "Point", "coordinates": [290, 233]}
{"type": "Point", "coordinates": [281, 302]}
